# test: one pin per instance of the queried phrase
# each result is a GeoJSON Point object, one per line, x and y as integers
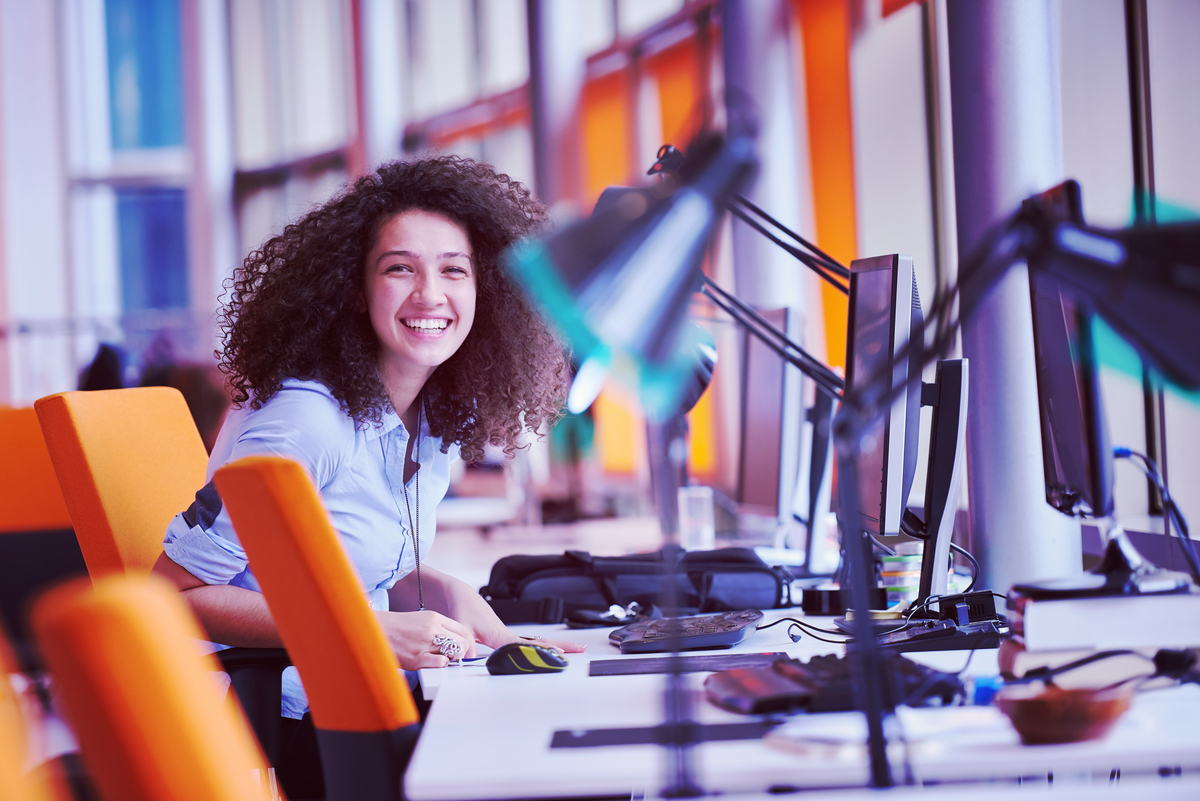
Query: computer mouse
{"type": "Point", "coordinates": [515, 658]}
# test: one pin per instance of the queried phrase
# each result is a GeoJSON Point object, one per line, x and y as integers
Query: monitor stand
{"type": "Point", "coordinates": [947, 458]}
{"type": "Point", "coordinates": [1122, 570]}
{"type": "Point", "coordinates": [958, 622]}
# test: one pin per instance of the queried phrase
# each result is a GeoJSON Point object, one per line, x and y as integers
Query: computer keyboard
{"type": "Point", "coordinates": [687, 633]}
{"type": "Point", "coordinates": [823, 684]}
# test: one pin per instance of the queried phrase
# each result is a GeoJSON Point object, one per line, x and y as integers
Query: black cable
{"type": "Point", "coordinates": [910, 529]}
{"type": "Point", "coordinates": [974, 565]}
{"type": "Point", "coordinates": [796, 638]}
{"type": "Point", "coordinates": [801, 623]}
{"type": "Point", "coordinates": [934, 678]}
{"type": "Point", "coordinates": [1047, 674]}
{"type": "Point", "coordinates": [1150, 469]}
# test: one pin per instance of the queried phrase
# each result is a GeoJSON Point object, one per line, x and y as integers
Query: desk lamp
{"type": "Point", "coordinates": [1145, 282]}
{"type": "Point", "coordinates": [618, 285]}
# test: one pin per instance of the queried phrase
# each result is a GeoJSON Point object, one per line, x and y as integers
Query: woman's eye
{"type": "Point", "coordinates": [398, 268]}
{"type": "Point", "coordinates": [456, 270]}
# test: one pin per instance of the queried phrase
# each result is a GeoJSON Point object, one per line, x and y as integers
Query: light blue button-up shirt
{"type": "Point", "coordinates": [359, 473]}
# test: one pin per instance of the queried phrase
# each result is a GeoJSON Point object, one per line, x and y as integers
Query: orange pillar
{"type": "Point", "coordinates": [606, 123]}
{"type": "Point", "coordinates": [825, 33]}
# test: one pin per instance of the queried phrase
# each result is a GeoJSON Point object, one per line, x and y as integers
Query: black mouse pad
{"type": "Point", "coordinates": [663, 735]}
{"type": "Point", "coordinates": [686, 664]}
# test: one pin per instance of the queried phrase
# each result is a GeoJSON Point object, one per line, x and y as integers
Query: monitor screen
{"type": "Point", "coordinates": [885, 312]}
{"type": "Point", "coordinates": [1076, 454]}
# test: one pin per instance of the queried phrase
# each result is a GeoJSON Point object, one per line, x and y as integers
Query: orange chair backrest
{"type": "Point", "coordinates": [350, 673]}
{"type": "Point", "coordinates": [30, 499]}
{"type": "Point", "coordinates": [128, 460]}
{"type": "Point", "coordinates": [16, 780]}
{"type": "Point", "coordinates": [141, 697]}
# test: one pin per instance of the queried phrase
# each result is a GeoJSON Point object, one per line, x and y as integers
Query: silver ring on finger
{"type": "Point", "coordinates": [448, 646]}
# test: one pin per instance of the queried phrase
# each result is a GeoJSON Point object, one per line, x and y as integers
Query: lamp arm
{"type": "Point", "coordinates": [672, 162]}
{"type": "Point", "coordinates": [830, 382]}
{"type": "Point", "coordinates": [834, 266]}
{"type": "Point", "coordinates": [817, 266]}
{"type": "Point", "coordinates": [1143, 281]}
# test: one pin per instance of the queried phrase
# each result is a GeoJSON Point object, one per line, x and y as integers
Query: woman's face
{"type": "Point", "coordinates": [420, 293]}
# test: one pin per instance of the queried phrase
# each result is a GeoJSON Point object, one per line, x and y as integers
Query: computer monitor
{"type": "Point", "coordinates": [769, 401]}
{"type": "Point", "coordinates": [885, 316]}
{"type": "Point", "coordinates": [1076, 453]}
{"type": "Point", "coordinates": [785, 449]}
{"type": "Point", "coordinates": [885, 338]}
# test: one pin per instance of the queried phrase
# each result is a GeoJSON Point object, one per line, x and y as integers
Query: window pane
{"type": "Point", "coordinates": [144, 73]}
{"type": "Point", "coordinates": [635, 16]}
{"type": "Point", "coordinates": [152, 240]}
{"type": "Point", "coordinates": [596, 24]}
{"type": "Point", "coordinates": [290, 79]}
{"type": "Point", "coordinates": [441, 34]}
{"type": "Point", "coordinates": [505, 45]}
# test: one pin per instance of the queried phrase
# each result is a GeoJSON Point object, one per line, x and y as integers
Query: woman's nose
{"type": "Point", "coordinates": [428, 290]}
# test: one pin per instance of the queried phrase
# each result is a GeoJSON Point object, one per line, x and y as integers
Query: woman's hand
{"type": "Point", "coordinates": [411, 636]}
{"type": "Point", "coordinates": [469, 608]}
{"type": "Point", "coordinates": [559, 645]}
{"type": "Point", "coordinates": [466, 606]}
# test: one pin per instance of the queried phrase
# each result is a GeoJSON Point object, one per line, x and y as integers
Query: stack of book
{"type": "Point", "coordinates": [1050, 632]}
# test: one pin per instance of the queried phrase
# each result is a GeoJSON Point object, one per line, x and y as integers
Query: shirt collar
{"type": "Point", "coordinates": [389, 420]}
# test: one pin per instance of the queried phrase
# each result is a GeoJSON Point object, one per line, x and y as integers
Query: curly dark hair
{"type": "Point", "coordinates": [295, 310]}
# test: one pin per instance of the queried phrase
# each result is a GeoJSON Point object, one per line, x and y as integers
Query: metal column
{"type": "Point", "coordinates": [1007, 128]}
{"type": "Point", "coordinates": [759, 85]}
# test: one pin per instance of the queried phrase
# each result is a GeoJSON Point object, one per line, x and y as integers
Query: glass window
{"type": "Point", "coordinates": [290, 79]}
{"type": "Point", "coordinates": [144, 73]}
{"type": "Point", "coordinates": [503, 45]}
{"type": "Point", "coordinates": [442, 41]}
{"type": "Point", "coordinates": [597, 27]}
{"type": "Point", "coordinates": [152, 243]}
{"type": "Point", "coordinates": [635, 16]}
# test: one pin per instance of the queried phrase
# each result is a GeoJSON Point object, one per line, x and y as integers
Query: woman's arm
{"type": "Point", "coordinates": [458, 601]}
{"type": "Point", "coordinates": [229, 615]}
{"type": "Point", "coordinates": [237, 616]}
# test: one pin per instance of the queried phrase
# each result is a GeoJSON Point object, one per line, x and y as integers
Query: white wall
{"type": "Point", "coordinates": [33, 228]}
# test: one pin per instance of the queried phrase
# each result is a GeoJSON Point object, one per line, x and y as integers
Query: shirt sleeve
{"type": "Point", "coordinates": [303, 422]}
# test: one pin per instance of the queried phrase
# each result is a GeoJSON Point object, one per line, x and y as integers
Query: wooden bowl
{"type": "Point", "coordinates": [1044, 714]}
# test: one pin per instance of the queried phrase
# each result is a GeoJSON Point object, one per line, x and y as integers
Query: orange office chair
{"type": "Point", "coordinates": [128, 461]}
{"type": "Point", "coordinates": [140, 695]}
{"type": "Point", "coordinates": [17, 780]}
{"type": "Point", "coordinates": [30, 499]}
{"type": "Point", "coordinates": [366, 720]}
{"type": "Point", "coordinates": [37, 545]}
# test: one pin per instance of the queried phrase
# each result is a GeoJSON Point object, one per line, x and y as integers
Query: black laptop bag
{"type": "Point", "coordinates": [547, 589]}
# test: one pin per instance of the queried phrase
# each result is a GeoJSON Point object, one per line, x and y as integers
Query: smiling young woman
{"type": "Point", "coordinates": [374, 341]}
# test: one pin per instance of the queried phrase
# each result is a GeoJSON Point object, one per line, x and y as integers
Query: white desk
{"type": "Point", "coordinates": [488, 737]}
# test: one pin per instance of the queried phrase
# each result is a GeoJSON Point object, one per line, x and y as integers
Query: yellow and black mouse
{"type": "Point", "coordinates": [515, 658]}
